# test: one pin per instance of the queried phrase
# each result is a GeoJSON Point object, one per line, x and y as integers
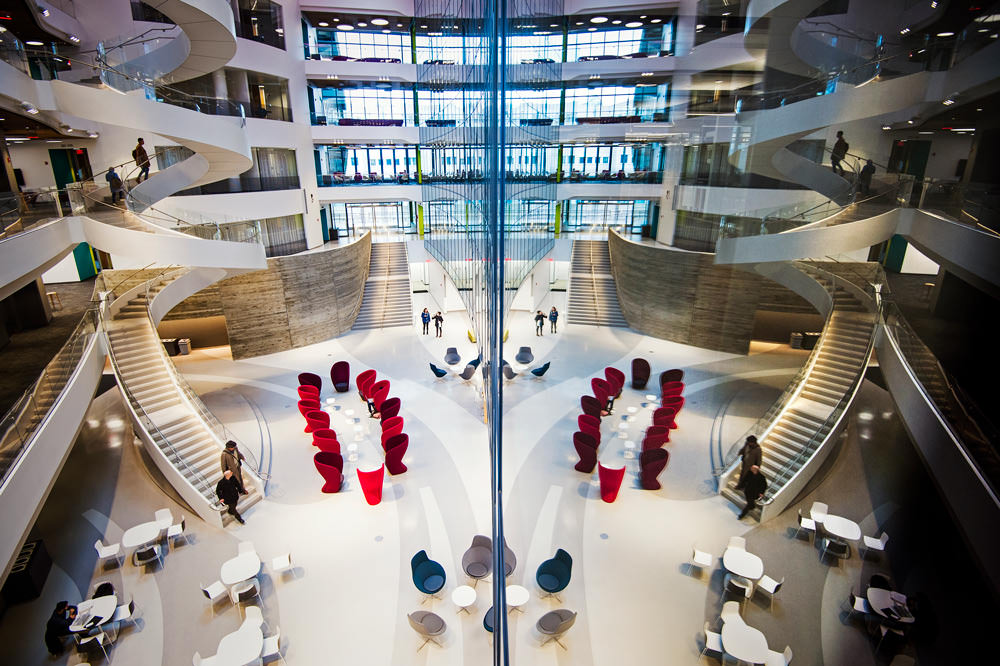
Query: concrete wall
{"type": "Point", "coordinates": [297, 300]}
{"type": "Point", "coordinates": [684, 297]}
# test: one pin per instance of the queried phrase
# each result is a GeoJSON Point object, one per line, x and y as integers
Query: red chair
{"type": "Point", "coordinates": [390, 408]}
{"type": "Point", "coordinates": [586, 448]}
{"type": "Point", "coordinates": [308, 392]}
{"type": "Point", "coordinates": [378, 392]}
{"type": "Point", "coordinates": [392, 430]}
{"type": "Point", "coordinates": [590, 425]}
{"type": "Point", "coordinates": [591, 406]}
{"type": "Point", "coordinates": [611, 481]}
{"type": "Point", "coordinates": [364, 382]}
{"type": "Point", "coordinates": [326, 440]}
{"type": "Point", "coordinates": [395, 447]}
{"type": "Point", "coordinates": [675, 375]}
{"type": "Point", "coordinates": [390, 421]}
{"type": "Point", "coordinates": [308, 405]}
{"type": "Point", "coordinates": [371, 484]}
{"type": "Point", "coordinates": [331, 467]}
{"type": "Point", "coordinates": [340, 375]}
{"type": "Point", "coordinates": [664, 416]}
{"type": "Point", "coordinates": [656, 436]}
{"type": "Point", "coordinates": [675, 401]}
{"type": "Point", "coordinates": [640, 373]}
{"type": "Point", "coordinates": [310, 379]}
{"type": "Point", "coordinates": [317, 419]}
{"type": "Point", "coordinates": [651, 463]}
{"type": "Point", "coordinates": [602, 390]}
{"type": "Point", "coordinates": [616, 378]}
{"type": "Point", "coordinates": [671, 389]}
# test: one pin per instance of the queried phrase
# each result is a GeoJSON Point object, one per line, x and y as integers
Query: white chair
{"type": "Point", "coordinates": [272, 647]}
{"type": "Point", "coordinates": [713, 643]}
{"type": "Point", "coordinates": [243, 592]}
{"type": "Point", "coordinates": [870, 543]}
{"type": "Point", "coordinates": [737, 542]}
{"type": "Point", "coordinates": [770, 586]}
{"type": "Point", "coordinates": [146, 554]}
{"type": "Point", "coordinates": [779, 658]}
{"type": "Point", "coordinates": [818, 511]}
{"type": "Point", "coordinates": [731, 612]}
{"type": "Point", "coordinates": [701, 559]}
{"type": "Point", "coordinates": [124, 613]}
{"type": "Point", "coordinates": [858, 605]}
{"type": "Point", "coordinates": [282, 563]}
{"type": "Point", "coordinates": [737, 584]}
{"type": "Point", "coordinates": [163, 518]}
{"type": "Point", "coordinates": [246, 547]}
{"type": "Point", "coordinates": [213, 593]}
{"type": "Point", "coordinates": [806, 524]}
{"type": "Point", "coordinates": [87, 643]}
{"type": "Point", "coordinates": [111, 550]}
{"type": "Point", "coordinates": [253, 615]}
{"type": "Point", "coordinates": [175, 532]}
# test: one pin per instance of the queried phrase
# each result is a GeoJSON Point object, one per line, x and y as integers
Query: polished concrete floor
{"type": "Point", "coordinates": [638, 601]}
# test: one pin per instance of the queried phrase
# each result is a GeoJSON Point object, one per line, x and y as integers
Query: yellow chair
{"type": "Point", "coordinates": [472, 336]}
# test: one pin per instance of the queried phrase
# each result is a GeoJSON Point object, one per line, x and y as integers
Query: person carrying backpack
{"type": "Point", "coordinates": [116, 184]}
{"type": "Point", "coordinates": [141, 160]}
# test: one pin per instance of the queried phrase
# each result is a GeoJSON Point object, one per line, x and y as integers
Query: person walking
{"type": "Point", "coordinates": [425, 319]}
{"type": "Point", "coordinates": [232, 460]}
{"type": "Point", "coordinates": [865, 177]}
{"type": "Point", "coordinates": [141, 160]}
{"type": "Point", "coordinates": [539, 323]}
{"type": "Point", "coordinates": [116, 185]}
{"type": "Point", "coordinates": [839, 152]}
{"type": "Point", "coordinates": [228, 490]}
{"type": "Point", "coordinates": [438, 324]}
{"type": "Point", "coordinates": [553, 318]}
{"type": "Point", "coordinates": [753, 490]}
{"type": "Point", "coordinates": [751, 454]}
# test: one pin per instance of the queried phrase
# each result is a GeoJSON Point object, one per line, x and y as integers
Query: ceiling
{"type": "Point", "coordinates": [16, 125]}
{"type": "Point", "coordinates": [17, 17]}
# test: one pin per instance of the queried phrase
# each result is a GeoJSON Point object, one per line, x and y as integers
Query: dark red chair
{"type": "Point", "coordinates": [616, 378]}
{"type": "Point", "coordinates": [395, 447]}
{"type": "Point", "coordinates": [308, 392]}
{"type": "Point", "coordinates": [390, 408]}
{"type": "Point", "coordinates": [675, 375]}
{"type": "Point", "coordinates": [656, 436]}
{"type": "Point", "coordinates": [590, 425]}
{"type": "Point", "coordinates": [317, 419]}
{"type": "Point", "coordinates": [307, 405]}
{"type": "Point", "coordinates": [390, 422]}
{"type": "Point", "coordinates": [371, 484]}
{"type": "Point", "coordinates": [671, 389]}
{"type": "Point", "coordinates": [310, 379]}
{"type": "Point", "coordinates": [651, 463]}
{"type": "Point", "coordinates": [326, 440]}
{"type": "Point", "coordinates": [591, 406]}
{"type": "Point", "coordinates": [611, 481]}
{"type": "Point", "coordinates": [602, 390]}
{"type": "Point", "coordinates": [330, 466]}
{"type": "Point", "coordinates": [364, 382]}
{"type": "Point", "coordinates": [340, 375]}
{"type": "Point", "coordinates": [391, 431]}
{"type": "Point", "coordinates": [379, 392]}
{"type": "Point", "coordinates": [675, 401]}
{"type": "Point", "coordinates": [586, 447]}
{"type": "Point", "coordinates": [664, 416]}
{"type": "Point", "coordinates": [640, 373]}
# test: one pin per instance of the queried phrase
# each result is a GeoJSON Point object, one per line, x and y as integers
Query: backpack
{"type": "Point", "coordinates": [116, 182]}
{"type": "Point", "coordinates": [133, 154]}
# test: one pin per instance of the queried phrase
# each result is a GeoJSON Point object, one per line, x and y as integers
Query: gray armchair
{"type": "Point", "coordinates": [554, 624]}
{"type": "Point", "coordinates": [477, 562]}
{"type": "Point", "coordinates": [451, 356]}
{"type": "Point", "coordinates": [429, 625]}
{"type": "Point", "coordinates": [524, 356]}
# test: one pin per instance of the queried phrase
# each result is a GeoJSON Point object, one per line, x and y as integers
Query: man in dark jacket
{"type": "Point", "coordinates": [58, 626]}
{"type": "Point", "coordinates": [232, 460]}
{"type": "Point", "coordinates": [229, 493]}
{"type": "Point", "coordinates": [539, 323]}
{"type": "Point", "coordinates": [838, 153]}
{"type": "Point", "coordinates": [753, 489]}
{"type": "Point", "coordinates": [751, 455]}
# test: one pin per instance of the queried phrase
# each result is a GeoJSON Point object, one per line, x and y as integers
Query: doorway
{"type": "Point", "coordinates": [69, 165]}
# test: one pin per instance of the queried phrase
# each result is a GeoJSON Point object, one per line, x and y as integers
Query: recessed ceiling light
{"type": "Point", "coordinates": [646, 74]}
{"type": "Point", "coordinates": [379, 21]}
{"type": "Point", "coordinates": [616, 22]}
{"type": "Point", "coordinates": [979, 109]}
{"type": "Point", "coordinates": [591, 29]}
{"type": "Point", "coordinates": [886, 127]}
{"type": "Point", "coordinates": [424, 27]}
{"type": "Point", "coordinates": [642, 17]}
{"type": "Point", "coordinates": [700, 26]}
{"type": "Point", "coordinates": [948, 102]}
{"type": "Point", "coordinates": [553, 25]}
{"type": "Point", "coordinates": [386, 31]}
{"type": "Point", "coordinates": [656, 21]}
{"type": "Point", "coordinates": [925, 132]}
{"type": "Point", "coordinates": [34, 43]}
{"type": "Point", "coordinates": [909, 122]}
{"type": "Point", "coordinates": [634, 24]}
{"type": "Point", "coordinates": [362, 24]}
{"type": "Point", "coordinates": [946, 34]}
{"type": "Point", "coordinates": [345, 26]}
{"type": "Point", "coordinates": [336, 20]}
{"type": "Point", "coordinates": [323, 24]}
{"type": "Point", "coordinates": [579, 22]}
{"type": "Point", "coordinates": [598, 19]}
{"type": "Point", "coordinates": [399, 25]}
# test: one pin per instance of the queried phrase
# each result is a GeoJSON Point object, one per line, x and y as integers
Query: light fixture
{"type": "Point", "coordinates": [423, 27]}
{"type": "Point", "coordinates": [886, 127]}
{"type": "Point", "coordinates": [34, 43]}
{"type": "Point", "coordinates": [979, 108]}
{"type": "Point", "coordinates": [904, 31]}
{"type": "Point", "coordinates": [634, 24]}
{"type": "Point", "coordinates": [362, 24]}
{"type": "Point", "coordinates": [646, 74]}
{"type": "Point", "coordinates": [963, 129]}
{"type": "Point", "coordinates": [948, 102]}
{"type": "Point", "coordinates": [280, 31]}
{"type": "Point", "coordinates": [925, 132]}
{"type": "Point", "coordinates": [946, 34]}
{"type": "Point", "coordinates": [591, 29]}
{"type": "Point", "coordinates": [336, 20]}
{"type": "Point", "coordinates": [74, 39]}
{"type": "Point", "coordinates": [399, 25]}
{"type": "Point", "coordinates": [595, 76]}
{"type": "Point", "coordinates": [598, 19]}
{"type": "Point", "coordinates": [726, 13]}
{"type": "Point", "coordinates": [643, 16]}
{"type": "Point", "coordinates": [616, 22]}
{"type": "Point", "coordinates": [909, 122]}
{"type": "Point", "coordinates": [379, 21]}
{"type": "Point", "coordinates": [44, 11]}
{"type": "Point", "coordinates": [345, 26]}
{"type": "Point", "coordinates": [92, 135]}
{"type": "Point", "coordinates": [718, 80]}
{"type": "Point", "coordinates": [29, 108]}
{"type": "Point", "coordinates": [53, 141]}
{"type": "Point", "coordinates": [657, 21]}
{"type": "Point", "coordinates": [934, 4]}
{"type": "Point", "coordinates": [323, 24]}
{"type": "Point", "coordinates": [556, 25]}
{"type": "Point", "coordinates": [386, 31]}
{"type": "Point", "coordinates": [700, 26]}
{"type": "Point", "coordinates": [579, 22]}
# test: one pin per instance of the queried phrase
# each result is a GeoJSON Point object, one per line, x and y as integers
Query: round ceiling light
{"type": "Point", "coordinates": [591, 29]}
{"type": "Point", "coordinates": [345, 26]}
{"type": "Point", "coordinates": [34, 43]}
{"type": "Point", "coordinates": [323, 24]}
{"type": "Point", "coordinates": [657, 21]}
{"type": "Point", "coordinates": [362, 24]}
{"type": "Point", "coordinates": [379, 22]}
{"type": "Point", "coordinates": [599, 19]}
{"type": "Point", "coordinates": [616, 22]}
{"type": "Point", "coordinates": [946, 34]}
{"type": "Point", "coordinates": [634, 24]}
{"type": "Point", "coordinates": [386, 31]}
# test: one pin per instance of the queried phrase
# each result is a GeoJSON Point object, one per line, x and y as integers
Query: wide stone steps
{"type": "Point", "coordinates": [592, 299]}
{"type": "Point", "coordinates": [387, 299]}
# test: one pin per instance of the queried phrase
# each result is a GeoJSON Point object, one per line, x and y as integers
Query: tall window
{"type": "Point", "coordinates": [260, 20]}
{"type": "Point", "coordinates": [333, 105]}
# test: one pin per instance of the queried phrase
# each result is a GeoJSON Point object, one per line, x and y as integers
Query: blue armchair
{"type": "Point", "coordinates": [553, 575]}
{"type": "Point", "coordinates": [428, 575]}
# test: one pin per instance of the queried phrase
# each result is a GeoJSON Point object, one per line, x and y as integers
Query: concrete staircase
{"type": "Point", "coordinates": [592, 298]}
{"type": "Point", "coordinates": [386, 301]}
{"type": "Point", "coordinates": [174, 425]}
{"type": "Point", "coordinates": [840, 356]}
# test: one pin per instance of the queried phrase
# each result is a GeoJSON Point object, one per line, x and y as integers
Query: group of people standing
{"type": "Point", "coordinates": [553, 320]}
{"type": "Point", "coordinates": [425, 319]}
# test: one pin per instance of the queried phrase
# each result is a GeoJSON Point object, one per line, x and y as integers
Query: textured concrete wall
{"type": "Point", "coordinates": [298, 300]}
{"type": "Point", "coordinates": [683, 296]}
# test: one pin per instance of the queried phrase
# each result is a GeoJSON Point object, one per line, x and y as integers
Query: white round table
{"type": "Point", "coordinates": [882, 601]}
{"type": "Point", "coordinates": [241, 647]}
{"type": "Point", "coordinates": [743, 563]}
{"type": "Point", "coordinates": [841, 527]}
{"type": "Point", "coordinates": [742, 641]}
{"type": "Point", "coordinates": [352, 452]}
{"type": "Point", "coordinates": [517, 596]}
{"type": "Point", "coordinates": [242, 567]}
{"type": "Point", "coordinates": [100, 609]}
{"type": "Point", "coordinates": [140, 535]}
{"type": "Point", "coordinates": [463, 596]}
{"type": "Point", "coordinates": [651, 397]}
